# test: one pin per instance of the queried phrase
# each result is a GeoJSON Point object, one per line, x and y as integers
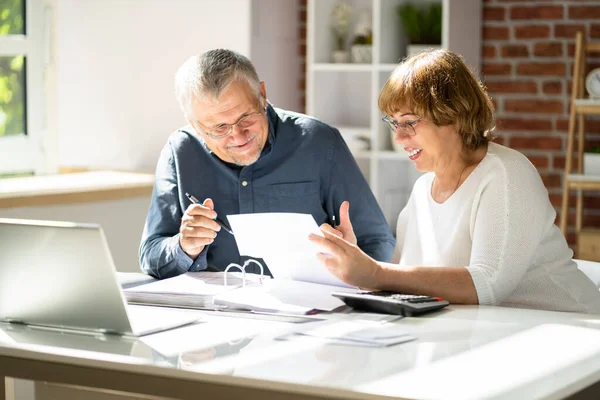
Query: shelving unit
{"type": "Point", "coordinates": [345, 95]}
{"type": "Point", "coordinates": [580, 108]}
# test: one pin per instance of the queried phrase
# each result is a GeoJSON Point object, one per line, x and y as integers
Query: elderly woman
{"type": "Point", "coordinates": [478, 227]}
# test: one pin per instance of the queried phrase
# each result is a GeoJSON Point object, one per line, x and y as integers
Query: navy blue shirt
{"type": "Point", "coordinates": [305, 167]}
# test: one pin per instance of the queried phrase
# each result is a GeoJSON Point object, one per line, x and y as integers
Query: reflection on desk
{"type": "Point", "coordinates": [493, 343]}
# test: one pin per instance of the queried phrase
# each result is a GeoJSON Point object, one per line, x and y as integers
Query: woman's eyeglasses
{"type": "Point", "coordinates": [404, 127]}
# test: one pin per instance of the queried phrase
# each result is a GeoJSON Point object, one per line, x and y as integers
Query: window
{"type": "Point", "coordinates": [22, 116]}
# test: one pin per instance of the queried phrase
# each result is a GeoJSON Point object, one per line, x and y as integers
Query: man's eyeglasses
{"type": "Point", "coordinates": [404, 128]}
{"type": "Point", "coordinates": [245, 121]}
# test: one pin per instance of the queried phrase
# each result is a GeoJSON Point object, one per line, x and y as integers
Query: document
{"type": "Point", "coordinates": [281, 239]}
{"type": "Point", "coordinates": [192, 289]}
{"type": "Point", "coordinates": [282, 296]}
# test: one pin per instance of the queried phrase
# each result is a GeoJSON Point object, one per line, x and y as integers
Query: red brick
{"type": "Point", "coordinates": [536, 143]}
{"type": "Point", "coordinates": [537, 12]}
{"type": "Point", "coordinates": [540, 162]}
{"type": "Point", "coordinates": [595, 31]}
{"type": "Point", "coordinates": [302, 32]}
{"type": "Point", "coordinates": [534, 106]}
{"type": "Point", "coordinates": [301, 84]}
{"type": "Point", "coordinates": [511, 87]}
{"type": "Point", "coordinates": [589, 201]}
{"type": "Point", "coordinates": [515, 50]}
{"type": "Point", "coordinates": [552, 87]}
{"type": "Point", "coordinates": [548, 49]}
{"type": "Point", "coordinates": [541, 69]}
{"type": "Point", "coordinates": [552, 180]}
{"type": "Point", "coordinates": [496, 69]}
{"type": "Point", "coordinates": [302, 50]}
{"type": "Point", "coordinates": [494, 13]}
{"type": "Point", "coordinates": [489, 52]}
{"type": "Point", "coordinates": [559, 162]}
{"type": "Point", "coordinates": [567, 31]}
{"type": "Point", "coordinates": [532, 32]}
{"type": "Point", "coordinates": [556, 199]}
{"type": "Point", "coordinates": [495, 33]}
{"type": "Point", "coordinates": [523, 124]}
{"type": "Point", "coordinates": [584, 12]}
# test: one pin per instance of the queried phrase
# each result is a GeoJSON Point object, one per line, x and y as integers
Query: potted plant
{"type": "Point", "coordinates": [591, 161]}
{"type": "Point", "coordinates": [422, 25]}
{"type": "Point", "coordinates": [362, 44]}
{"type": "Point", "coordinates": [339, 23]}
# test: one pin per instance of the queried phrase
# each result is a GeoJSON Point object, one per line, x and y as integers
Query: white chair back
{"type": "Point", "coordinates": [591, 269]}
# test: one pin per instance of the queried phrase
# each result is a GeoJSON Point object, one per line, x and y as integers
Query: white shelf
{"type": "Point", "coordinates": [584, 178]}
{"type": "Point", "coordinates": [341, 67]}
{"type": "Point", "coordinates": [345, 95]}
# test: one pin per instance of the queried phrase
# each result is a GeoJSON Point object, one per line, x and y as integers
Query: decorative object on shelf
{"type": "Point", "coordinates": [340, 22]}
{"type": "Point", "coordinates": [362, 44]}
{"type": "Point", "coordinates": [592, 83]}
{"type": "Point", "coordinates": [591, 161]}
{"type": "Point", "coordinates": [422, 25]}
{"type": "Point", "coordinates": [357, 139]}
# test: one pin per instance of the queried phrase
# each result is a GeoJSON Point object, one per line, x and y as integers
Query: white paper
{"type": "Point", "coordinates": [281, 239]}
{"type": "Point", "coordinates": [185, 284]}
{"type": "Point", "coordinates": [282, 295]}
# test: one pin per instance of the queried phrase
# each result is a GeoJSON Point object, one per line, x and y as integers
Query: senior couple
{"type": "Point", "coordinates": [478, 227]}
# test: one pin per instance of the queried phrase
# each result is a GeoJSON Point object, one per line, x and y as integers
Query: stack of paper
{"type": "Point", "coordinates": [193, 289]}
{"type": "Point", "coordinates": [282, 296]}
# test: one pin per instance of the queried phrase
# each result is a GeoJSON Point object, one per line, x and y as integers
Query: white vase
{"type": "Point", "coordinates": [591, 164]}
{"type": "Point", "coordinates": [362, 53]}
{"type": "Point", "coordinates": [413, 49]}
{"type": "Point", "coordinates": [339, 56]}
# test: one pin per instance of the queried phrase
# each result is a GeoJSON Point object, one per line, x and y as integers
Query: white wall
{"type": "Point", "coordinates": [115, 63]}
{"type": "Point", "coordinates": [274, 50]}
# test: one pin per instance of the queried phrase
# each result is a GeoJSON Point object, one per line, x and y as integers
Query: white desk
{"type": "Point", "coordinates": [462, 352]}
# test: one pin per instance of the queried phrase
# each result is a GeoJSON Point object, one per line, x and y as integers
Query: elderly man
{"type": "Point", "coordinates": [239, 154]}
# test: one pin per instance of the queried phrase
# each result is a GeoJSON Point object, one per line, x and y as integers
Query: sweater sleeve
{"type": "Point", "coordinates": [509, 216]}
{"type": "Point", "coordinates": [160, 253]}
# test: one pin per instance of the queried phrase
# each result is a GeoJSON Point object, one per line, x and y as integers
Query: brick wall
{"type": "Point", "coordinates": [527, 52]}
{"type": "Point", "coordinates": [528, 49]}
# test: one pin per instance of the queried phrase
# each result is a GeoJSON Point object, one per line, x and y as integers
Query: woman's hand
{"type": "Point", "coordinates": [344, 229]}
{"type": "Point", "coordinates": [346, 261]}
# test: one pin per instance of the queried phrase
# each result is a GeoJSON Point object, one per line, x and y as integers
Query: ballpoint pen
{"type": "Point", "coordinates": [217, 220]}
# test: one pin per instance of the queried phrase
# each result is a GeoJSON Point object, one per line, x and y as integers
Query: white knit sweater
{"type": "Point", "coordinates": [499, 224]}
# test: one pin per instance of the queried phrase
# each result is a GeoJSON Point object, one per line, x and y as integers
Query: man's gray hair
{"type": "Point", "coordinates": [207, 75]}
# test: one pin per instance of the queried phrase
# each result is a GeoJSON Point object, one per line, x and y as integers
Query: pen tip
{"type": "Point", "coordinates": [187, 194]}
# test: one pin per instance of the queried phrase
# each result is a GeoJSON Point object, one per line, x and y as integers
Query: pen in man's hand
{"type": "Point", "coordinates": [217, 220]}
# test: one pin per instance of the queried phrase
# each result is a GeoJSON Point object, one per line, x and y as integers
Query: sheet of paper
{"type": "Point", "coordinates": [281, 239]}
{"type": "Point", "coordinates": [182, 284]}
{"type": "Point", "coordinates": [282, 295]}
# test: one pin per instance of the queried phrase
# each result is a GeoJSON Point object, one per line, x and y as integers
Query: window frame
{"type": "Point", "coordinates": [27, 153]}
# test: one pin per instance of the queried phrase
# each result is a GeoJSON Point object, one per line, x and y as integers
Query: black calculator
{"type": "Point", "coordinates": [391, 303]}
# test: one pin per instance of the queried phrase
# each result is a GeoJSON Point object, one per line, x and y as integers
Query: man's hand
{"type": "Point", "coordinates": [198, 228]}
{"type": "Point", "coordinates": [344, 229]}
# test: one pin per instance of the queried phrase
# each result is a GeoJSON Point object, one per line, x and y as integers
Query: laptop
{"type": "Point", "coordinates": [62, 275]}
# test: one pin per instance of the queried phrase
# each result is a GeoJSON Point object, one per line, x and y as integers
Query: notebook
{"type": "Point", "coordinates": [61, 275]}
{"type": "Point", "coordinates": [192, 289]}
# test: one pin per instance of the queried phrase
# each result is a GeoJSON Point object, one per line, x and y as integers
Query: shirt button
{"type": "Point", "coordinates": [244, 183]}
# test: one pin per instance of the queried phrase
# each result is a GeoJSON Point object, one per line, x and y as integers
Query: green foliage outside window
{"type": "Point", "coordinates": [12, 71]}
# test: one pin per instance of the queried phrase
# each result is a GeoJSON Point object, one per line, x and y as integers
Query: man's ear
{"type": "Point", "coordinates": [263, 93]}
